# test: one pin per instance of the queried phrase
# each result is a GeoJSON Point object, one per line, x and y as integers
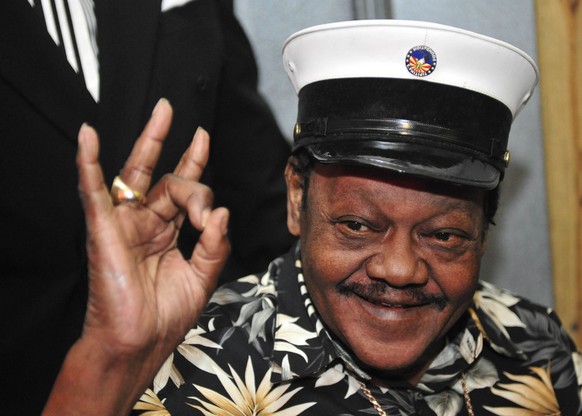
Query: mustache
{"type": "Point", "coordinates": [375, 290]}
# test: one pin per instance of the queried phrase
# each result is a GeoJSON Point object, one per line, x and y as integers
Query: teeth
{"type": "Point", "coordinates": [396, 305]}
{"type": "Point", "coordinates": [389, 305]}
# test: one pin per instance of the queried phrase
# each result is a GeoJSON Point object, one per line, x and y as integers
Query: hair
{"type": "Point", "coordinates": [302, 163]}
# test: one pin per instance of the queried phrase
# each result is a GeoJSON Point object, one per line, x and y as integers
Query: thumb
{"type": "Point", "coordinates": [212, 249]}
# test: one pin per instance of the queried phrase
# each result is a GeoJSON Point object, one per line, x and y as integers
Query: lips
{"type": "Point", "coordinates": [380, 294]}
{"type": "Point", "coordinates": [390, 303]}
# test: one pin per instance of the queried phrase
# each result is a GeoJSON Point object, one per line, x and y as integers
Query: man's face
{"type": "Point", "coordinates": [390, 262]}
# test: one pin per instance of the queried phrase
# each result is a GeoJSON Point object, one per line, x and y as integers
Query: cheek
{"type": "Point", "coordinates": [328, 262]}
{"type": "Point", "coordinates": [318, 260]}
{"type": "Point", "coordinates": [457, 280]}
{"type": "Point", "coordinates": [324, 268]}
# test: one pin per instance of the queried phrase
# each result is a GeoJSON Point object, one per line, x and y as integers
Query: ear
{"type": "Point", "coordinates": [294, 198]}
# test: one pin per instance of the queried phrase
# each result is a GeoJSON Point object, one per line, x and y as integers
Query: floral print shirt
{"type": "Point", "coordinates": [260, 348]}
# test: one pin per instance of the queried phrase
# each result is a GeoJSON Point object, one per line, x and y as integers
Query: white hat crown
{"type": "Point", "coordinates": [379, 49]}
{"type": "Point", "coordinates": [414, 98]}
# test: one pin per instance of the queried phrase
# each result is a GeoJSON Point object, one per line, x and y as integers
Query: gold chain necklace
{"type": "Point", "coordinates": [466, 395]}
{"type": "Point", "coordinates": [381, 411]}
{"type": "Point", "coordinates": [372, 399]}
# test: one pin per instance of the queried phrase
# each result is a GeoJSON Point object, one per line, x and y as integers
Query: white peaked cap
{"type": "Point", "coordinates": [416, 98]}
{"type": "Point", "coordinates": [377, 49]}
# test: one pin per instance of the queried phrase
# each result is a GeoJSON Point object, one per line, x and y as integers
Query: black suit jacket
{"type": "Point", "coordinates": [196, 56]}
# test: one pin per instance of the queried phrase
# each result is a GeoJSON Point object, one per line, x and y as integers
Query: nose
{"type": "Point", "coordinates": [398, 262]}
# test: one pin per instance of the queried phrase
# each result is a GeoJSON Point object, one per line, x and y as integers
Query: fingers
{"type": "Point", "coordinates": [194, 160]}
{"type": "Point", "coordinates": [171, 196]}
{"type": "Point", "coordinates": [212, 249]}
{"type": "Point", "coordinates": [185, 193]}
{"type": "Point", "coordinates": [94, 192]}
{"type": "Point", "coordinates": [174, 195]}
{"type": "Point", "coordinates": [137, 172]}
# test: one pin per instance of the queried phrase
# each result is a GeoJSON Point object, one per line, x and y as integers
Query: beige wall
{"type": "Point", "coordinates": [560, 55]}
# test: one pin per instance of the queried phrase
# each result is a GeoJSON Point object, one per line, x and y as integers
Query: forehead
{"type": "Point", "coordinates": [346, 181]}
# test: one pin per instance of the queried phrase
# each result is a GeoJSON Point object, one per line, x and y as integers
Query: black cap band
{"type": "Point", "coordinates": [462, 123]}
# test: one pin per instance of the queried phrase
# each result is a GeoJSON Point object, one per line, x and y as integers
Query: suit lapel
{"type": "Point", "coordinates": [33, 65]}
{"type": "Point", "coordinates": [127, 32]}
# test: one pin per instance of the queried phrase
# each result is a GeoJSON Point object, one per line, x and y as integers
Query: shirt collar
{"type": "Point", "coordinates": [302, 345]}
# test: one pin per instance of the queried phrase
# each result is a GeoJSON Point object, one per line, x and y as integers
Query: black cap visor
{"type": "Point", "coordinates": [411, 159]}
{"type": "Point", "coordinates": [414, 127]}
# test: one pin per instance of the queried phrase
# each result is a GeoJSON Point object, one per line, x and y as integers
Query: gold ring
{"type": "Point", "coordinates": [121, 193]}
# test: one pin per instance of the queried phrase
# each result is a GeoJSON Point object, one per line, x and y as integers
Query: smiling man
{"type": "Point", "coordinates": [400, 147]}
{"type": "Point", "coordinates": [399, 150]}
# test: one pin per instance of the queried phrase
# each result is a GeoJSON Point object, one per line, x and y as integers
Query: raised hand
{"type": "Point", "coordinates": [144, 296]}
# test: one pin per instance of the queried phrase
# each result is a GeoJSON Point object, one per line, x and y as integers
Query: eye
{"type": "Point", "coordinates": [353, 227]}
{"type": "Point", "coordinates": [447, 239]}
{"type": "Point", "coordinates": [443, 236]}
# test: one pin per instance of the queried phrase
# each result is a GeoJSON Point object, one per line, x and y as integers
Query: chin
{"type": "Point", "coordinates": [403, 360]}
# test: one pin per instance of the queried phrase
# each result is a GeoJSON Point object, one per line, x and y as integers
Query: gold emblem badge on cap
{"type": "Point", "coordinates": [373, 92]}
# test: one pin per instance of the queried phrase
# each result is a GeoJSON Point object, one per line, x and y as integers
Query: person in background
{"type": "Point", "coordinates": [393, 183]}
{"type": "Point", "coordinates": [106, 63]}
